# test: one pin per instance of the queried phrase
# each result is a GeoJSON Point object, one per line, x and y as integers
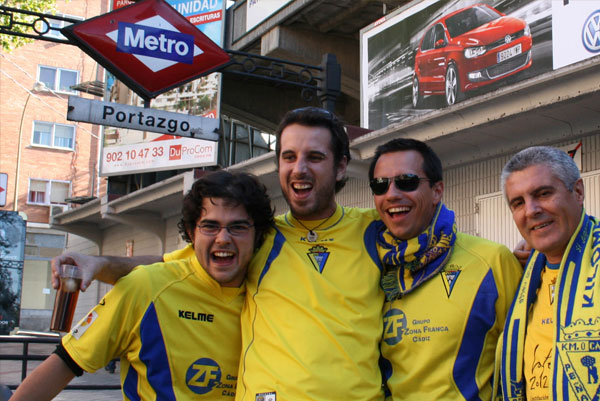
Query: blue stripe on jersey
{"type": "Point", "coordinates": [481, 320]}
{"type": "Point", "coordinates": [278, 242]}
{"type": "Point", "coordinates": [153, 354]}
{"type": "Point", "coordinates": [130, 385]}
{"type": "Point", "coordinates": [386, 372]}
{"type": "Point", "coordinates": [370, 240]}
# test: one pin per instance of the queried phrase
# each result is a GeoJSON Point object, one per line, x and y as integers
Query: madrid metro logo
{"type": "Point", "coordinates": [203, 375]}
{"type": "Point", "coordinates": [149, 46]}
{"type": "Point", "coordinates": [155, 42]}
{"type": "Point", "coordinates": [590, 34]}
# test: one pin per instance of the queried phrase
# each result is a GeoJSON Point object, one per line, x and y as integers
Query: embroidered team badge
{"type": "Point", "coordinates": [318, 255]}
{"type": "Point", "coordinates": [449, 278]}
{"type": "Point", "coordinates": [579, 353]}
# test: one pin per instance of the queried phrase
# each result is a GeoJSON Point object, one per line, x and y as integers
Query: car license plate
{"type": "Point", "coordinates": [508, 53]}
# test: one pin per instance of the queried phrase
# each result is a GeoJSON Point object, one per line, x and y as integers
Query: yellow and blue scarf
{"type": "Point", "coordinates": [424, 255]}
{"type": "Point", "coordinates": [576, 350]}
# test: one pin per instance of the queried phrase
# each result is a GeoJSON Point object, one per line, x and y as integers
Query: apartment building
{"type": "Point", "coordinates": [50, 163]}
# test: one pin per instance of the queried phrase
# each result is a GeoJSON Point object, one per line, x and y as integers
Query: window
{"type": "Point", "coordinates": [241, 142]}
{"type": "Point", "coordinates": [56, 25]}
{"type": "Point", "coordinates": [48, 192]}
{"type": "Point", "coordinates": [53, 135]}
{"type": "Point", "coordinates": [58, 79]}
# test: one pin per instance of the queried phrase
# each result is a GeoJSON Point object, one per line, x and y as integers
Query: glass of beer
{"type": "Point", "coordinates": [66, 298]}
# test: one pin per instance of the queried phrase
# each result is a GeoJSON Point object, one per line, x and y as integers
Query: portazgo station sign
{"type": "Point", "coordinates": [149, 46]}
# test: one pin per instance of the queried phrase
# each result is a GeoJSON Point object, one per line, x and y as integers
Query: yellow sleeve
{"type": "Point", "coordinates": [184, 253]}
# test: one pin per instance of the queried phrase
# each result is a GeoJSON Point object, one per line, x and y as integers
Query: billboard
{"type": "Point", "coordinates": [201, 97]}
{"type": "Point", "coordinates": [433, 54]}
{"type": "Point", "coordinates": [259, 10]}
{"type": "Point", "coordinates": [575, 31]}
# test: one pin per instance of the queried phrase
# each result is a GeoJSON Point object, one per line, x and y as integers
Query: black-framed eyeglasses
{"type": "Point", "coordinates": [237, 229]}
{"type": "Point", "coordinates": [403, 182]}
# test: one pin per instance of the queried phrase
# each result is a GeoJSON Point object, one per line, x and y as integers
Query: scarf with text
{"type": "Point", "coordinates": [576, 350]}
{"type": "Point", "coordinates": [422, 256]}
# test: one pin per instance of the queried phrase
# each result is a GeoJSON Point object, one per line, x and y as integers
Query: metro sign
{"type": "Point", "coordinates": [149, 46]}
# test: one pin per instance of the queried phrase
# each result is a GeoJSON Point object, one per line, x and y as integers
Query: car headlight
{"type": "Point", "coordinates": [526, 31]}
{"type": "Point", "coordinates": [471, 52]}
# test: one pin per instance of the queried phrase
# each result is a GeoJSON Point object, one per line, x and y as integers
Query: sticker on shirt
{"type": "Point", "coordinates": [397, 327]}
{"type": "Point", "coordinates": [318, 257]}
{"type": "Point", "coordinates": [579, 354]}
{"type": "Point", "coordinates": [84, 324]}
{"type": "Point", "coordinates": [203, 375]}
{"type": "Point", "coordinates": [272, 396]}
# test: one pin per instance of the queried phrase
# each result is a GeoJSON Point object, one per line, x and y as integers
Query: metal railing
{"type": "Point", "coordinates": [25, 357]}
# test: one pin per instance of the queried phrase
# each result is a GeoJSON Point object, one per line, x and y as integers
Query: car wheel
{"type": "Point", "coordinates": [416, 96]}
{"type": "Point", "coordinates": [453, 94]}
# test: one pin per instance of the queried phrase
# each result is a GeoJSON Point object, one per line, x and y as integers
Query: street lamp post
{"type": "Point", "coordinates": [38, 86]}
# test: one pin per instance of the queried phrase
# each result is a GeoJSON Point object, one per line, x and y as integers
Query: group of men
{"type": "Point", "coordinates": [345, 303]}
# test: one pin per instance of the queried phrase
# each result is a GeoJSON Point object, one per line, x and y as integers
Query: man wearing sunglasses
{"type": "Point", "coordinates": [175, 325]}
{"type": "Point", "coordinates": [447, 293]}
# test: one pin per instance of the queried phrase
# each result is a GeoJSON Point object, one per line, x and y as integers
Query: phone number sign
{"type": "Point", "coordinates": [149, 46]}
{"type": "Point", "coordinates": [158, 155]}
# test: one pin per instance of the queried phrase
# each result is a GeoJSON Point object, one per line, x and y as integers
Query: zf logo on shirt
{"type": "Point", "coordinates": [203, 375]}
{"type": "Point", "coordinates": [394, 323]}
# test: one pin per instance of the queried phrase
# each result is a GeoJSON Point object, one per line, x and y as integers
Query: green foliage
{"type": "Point", "coordinates": [10, 42]}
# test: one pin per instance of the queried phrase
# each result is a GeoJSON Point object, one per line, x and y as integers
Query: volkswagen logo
{"type": "Point", "coordinates": [507, 39]}
{"type": "Point", "coordinates": [591, 32]}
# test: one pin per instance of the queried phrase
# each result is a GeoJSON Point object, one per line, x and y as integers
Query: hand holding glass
{"type": "Point", "coordinates": [66, 298]}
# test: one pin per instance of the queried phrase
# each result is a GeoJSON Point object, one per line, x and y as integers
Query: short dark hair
{"type": "Point", "coordinates": [239, 188]}
{"type": "Point", "coordinates": [317, 117]}
{"type": "Point", "coordinates": [432, 166]}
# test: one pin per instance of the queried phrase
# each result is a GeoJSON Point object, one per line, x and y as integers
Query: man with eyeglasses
{"type": "Point", "coordinates": [311, 324]}
{"type": "Point", "coordinates": [447, 293]}
{"type": "Point", "coordinates": [175, 325]}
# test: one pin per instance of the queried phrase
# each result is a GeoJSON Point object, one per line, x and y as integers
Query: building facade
{"type": "Point", "coordinates": [47, 159]}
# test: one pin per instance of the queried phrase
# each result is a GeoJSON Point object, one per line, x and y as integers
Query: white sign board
{"type": "Point", "coordinates": [575, 31]}
{"type": "Point", "coordinates": [259, 10]}
{"type": "Point", "coordinates": [143, 119]}
{"type": "Point", "coordinates": [158, 155]}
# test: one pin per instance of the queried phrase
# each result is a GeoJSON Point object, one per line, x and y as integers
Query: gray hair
{"type": "Point", "coordinates": [559, 162]}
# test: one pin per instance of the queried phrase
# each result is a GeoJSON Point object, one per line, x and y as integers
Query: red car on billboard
{"type": "Point", "coordinates": [468, 49]}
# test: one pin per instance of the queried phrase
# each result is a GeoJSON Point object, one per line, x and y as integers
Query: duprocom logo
{"type": "Point", "coordinates": [203, 375]}
{"type": "Point", "coordinates": [394, 323]}
{"type": "Point", "coordinates": [175, 152]}
{"type": "Point", "coordinates": [590, 34]}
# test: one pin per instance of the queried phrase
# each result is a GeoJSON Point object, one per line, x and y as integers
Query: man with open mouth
{"type": "Point", "coordinates": [175, 324]}
{"type": "Point", "coordinates": [447, 293]}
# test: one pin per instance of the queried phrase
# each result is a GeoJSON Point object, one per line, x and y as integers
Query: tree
{"type": "Point", "coordinates": [10, 42]}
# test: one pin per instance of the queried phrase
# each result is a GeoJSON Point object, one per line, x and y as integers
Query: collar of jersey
{"type": "Point", "coordinates": [334, 219]}
{"type": "Point", "coordinates": [226, 294]}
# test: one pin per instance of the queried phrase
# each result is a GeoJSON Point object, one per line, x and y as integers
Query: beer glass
{"type": "Point", "coordinates": [66, 298]}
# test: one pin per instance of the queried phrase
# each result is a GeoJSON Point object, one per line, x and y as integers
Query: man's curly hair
{"type": "Point", "coordinates": [238, 188]}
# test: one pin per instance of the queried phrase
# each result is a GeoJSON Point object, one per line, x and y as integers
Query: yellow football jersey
{"type": "Point", "coordinates": [439, 341]}
{"type": "Point", "coordinates": [311, 324]}
{"type": "Point", "coordinates": [175, 329]}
